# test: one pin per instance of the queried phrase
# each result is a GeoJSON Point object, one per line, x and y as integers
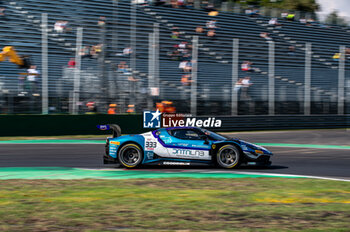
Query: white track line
{"type": "Point", "coordinates": [292, 175]}
{"type": "Point", "coordinates": [235, 172]}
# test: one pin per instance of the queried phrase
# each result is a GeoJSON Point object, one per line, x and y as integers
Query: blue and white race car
{"type": "Point", "coordinates": [181, 146]}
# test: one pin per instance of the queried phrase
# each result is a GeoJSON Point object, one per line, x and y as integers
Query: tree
{"type": "Point", "coordinates": [300, 5]}
{"type": "Point", "coordinates": [334, 19]}
{"type": "Point", "coordinates": [294, 5]}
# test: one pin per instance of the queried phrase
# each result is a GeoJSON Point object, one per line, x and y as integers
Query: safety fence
{"type": "Point", "coordinates": [136, 56]}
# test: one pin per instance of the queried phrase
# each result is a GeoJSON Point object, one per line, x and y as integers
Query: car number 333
{"type": "Point", "coordinates": [151, 144]}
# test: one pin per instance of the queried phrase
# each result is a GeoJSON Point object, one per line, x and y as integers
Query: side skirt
{"type": "Point", "coordinates": [178, 162]}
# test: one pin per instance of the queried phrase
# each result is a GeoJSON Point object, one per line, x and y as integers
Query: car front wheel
{"type": "Point", "coordinates": [228, 156]}
{"type": "Point", "coordinates": [130, 155]}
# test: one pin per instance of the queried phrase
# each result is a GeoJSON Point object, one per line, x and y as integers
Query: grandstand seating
{"type": "Point", "coordinates": [22, 30]}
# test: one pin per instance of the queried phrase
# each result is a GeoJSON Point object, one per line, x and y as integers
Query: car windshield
{"type": "Point", "coordinates": [213, 136]}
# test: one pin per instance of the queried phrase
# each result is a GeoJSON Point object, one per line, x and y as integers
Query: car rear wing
{"type": "Point", "coordinates": [114, 127]}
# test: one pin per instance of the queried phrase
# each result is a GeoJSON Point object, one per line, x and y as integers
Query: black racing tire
{"type": "Point", "coordinates": [130, 155]}
{"type": "Point", "coordinates": [228, 156]}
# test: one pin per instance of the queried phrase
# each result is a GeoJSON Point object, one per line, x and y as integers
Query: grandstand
{"type": "Point", "coordinates": [101, 82]}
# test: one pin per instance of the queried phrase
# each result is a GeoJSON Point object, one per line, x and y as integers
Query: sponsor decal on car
{"type": "Point", "coordinates": [103, 127]}
{"type": "Point", "coordinates": [150, 145]}
{"type": "Point", "coordinates": [183, 144]}
{"type": "Point", "coordinates": [167, 140]}
{"type": "Point", "coordinates": [175, 163]}
{"type": "Point", "coordinates": [149, 155]}
{"type": "Point", "coordinates": [244, 147]}
{"type": "Point", "coordinates": [198, 146]}
{"type": "Point", "coordinates": [188, 153]}
{"type": "Point", "coordinates": [114, 142]}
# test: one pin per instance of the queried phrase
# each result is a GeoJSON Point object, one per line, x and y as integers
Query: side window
{"type": "Point", "coordinates": [186, 134]}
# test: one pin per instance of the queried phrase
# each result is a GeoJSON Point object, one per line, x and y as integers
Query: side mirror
{"type": "Point", "coordinates": [205, 138]}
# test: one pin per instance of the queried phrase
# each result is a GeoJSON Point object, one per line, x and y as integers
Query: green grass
{"type": "Point", "coordinates": [175, 205]}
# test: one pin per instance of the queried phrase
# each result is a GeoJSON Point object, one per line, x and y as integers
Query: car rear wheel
{"type": "Point", "coordinates": [130, 155]}
{"type": "Point", "coordinates": [228, 156]}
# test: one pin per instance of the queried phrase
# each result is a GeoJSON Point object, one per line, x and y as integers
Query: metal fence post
{"type": "Point", "coordinates": [224, 6]}
{"type": "Point", "coordinates": [133, 15]}
{"type": "Point", "coordinates": [341, 80]}
{"type": "Point", "coordinates": [194, 75]}
{"type": "Point", "coordinates": [197, 4]}
{"type": "Point", "coordinates": [44, 63]}
{"type": "Point", "coordinates": [115, 27]}
{"type": "Point", "coordinates": [237, 8]}
{"type": "Point", "coordinates": [156, 57]}
{"type": "Point", "coordinates": [307, 85]}
{"type": "Point", "coordinates": [151, 68]}
{"type": "Point", "coordinates": [102, 66]}
{"type": "Point", "coordinates": [234, 93]}
{"type": "Point", "coordinates": [76, 91]}
{"type": "Point", "coordinates": [271, 78]}
{"type": "Point", "coordinates": [133, 97]}
{"type": "Point", "coordinates": [274, 12]}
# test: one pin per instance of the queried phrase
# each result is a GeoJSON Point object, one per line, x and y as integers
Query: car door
{"type": "Point", "coordinates": [187, 143]}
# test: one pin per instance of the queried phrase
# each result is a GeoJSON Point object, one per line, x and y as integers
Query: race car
{"type": "Point", "coordinates": [181, 146]}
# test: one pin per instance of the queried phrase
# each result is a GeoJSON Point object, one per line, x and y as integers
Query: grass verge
{"type": "Point", "coordinates": [174, 205]}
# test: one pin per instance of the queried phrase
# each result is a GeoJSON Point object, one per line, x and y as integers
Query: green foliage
{"type": "Point", "coordinates": [334, 19]}
{"type": "Point", "coordinates": [297, 5]}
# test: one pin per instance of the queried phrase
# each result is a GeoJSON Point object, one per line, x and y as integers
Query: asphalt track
{"type": "Point", "coordinates": [334, 163]}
